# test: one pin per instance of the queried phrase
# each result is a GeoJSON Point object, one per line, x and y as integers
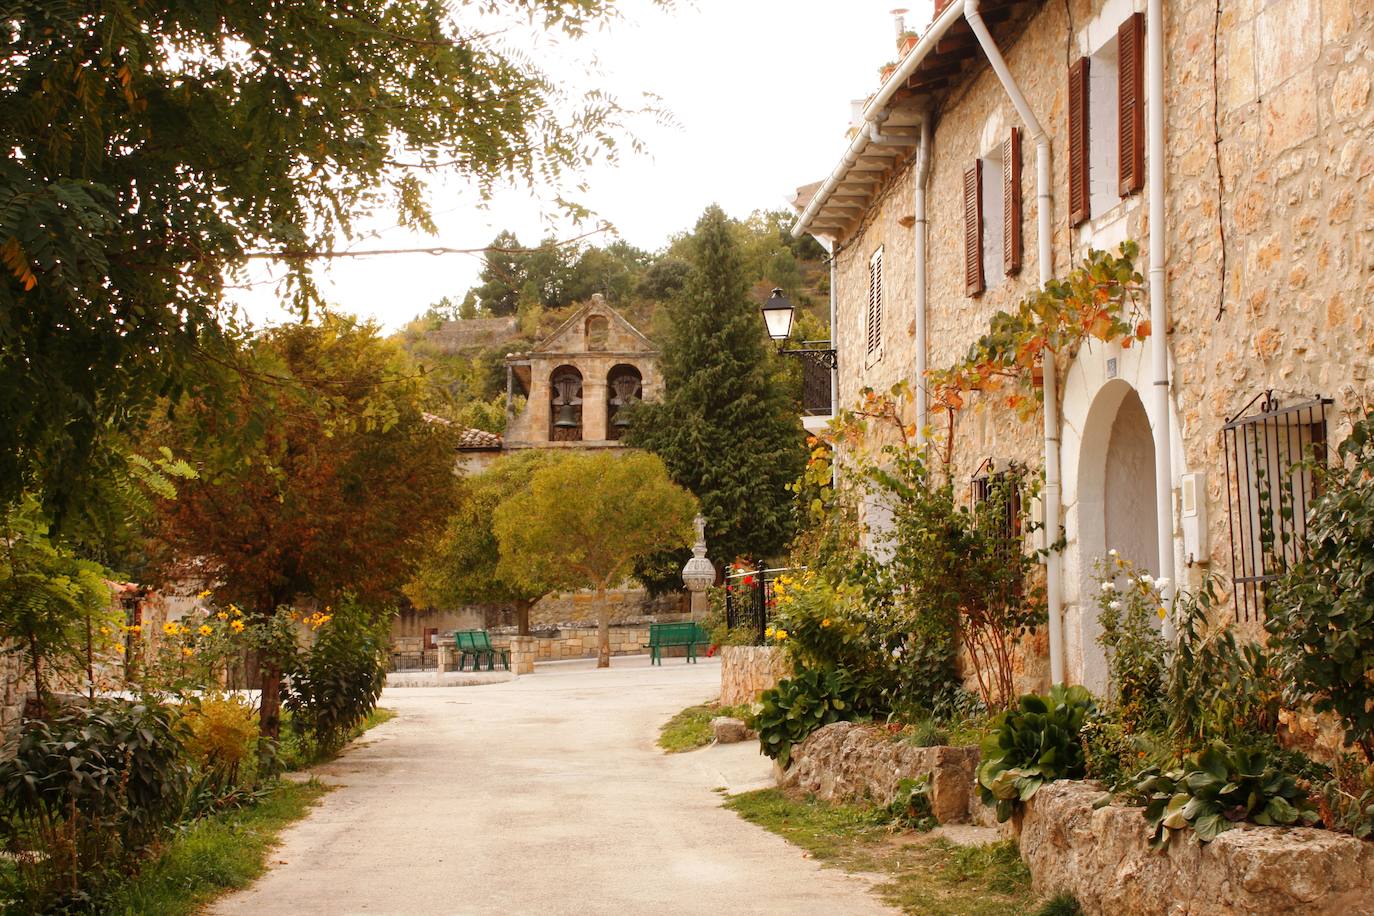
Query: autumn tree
{"type": "Point", "coordinates": [328, 480]}
{"type": "Point", "coordinates": [149, 150]}
{"type": "Point", "coordinates": [581, 522]}
{"type": "Point", "coordinates": [462, 564]}
{"type": "Point", "coordinates": [726, 428]}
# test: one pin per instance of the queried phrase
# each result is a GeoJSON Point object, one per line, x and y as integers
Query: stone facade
{"type": "Point", "coordinates": [849, 762]}
{"type": "Point", "coordinates": [13, 692]}
{"type": "Point", "coordinates": [1270, 265]}
{"type": "Point", "coordinates": [747, 671]}
{"type": "Point", "coordinates": [1103, 857]}
{"type": "Point", "coordinates": [599, 347]}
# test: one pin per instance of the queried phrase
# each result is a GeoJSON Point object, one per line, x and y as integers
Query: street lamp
{"type": "Point", "coordinates": [777, 318]}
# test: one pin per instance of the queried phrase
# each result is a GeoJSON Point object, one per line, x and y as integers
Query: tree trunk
{"type": "Point", "coordinates": [603, 630]}
{"type": "Point", "coordinates": [37, 677]}
{"type": "Point", "coordinates": [269, 710]}
{"type": "Point", "coordinates": [522, 616]}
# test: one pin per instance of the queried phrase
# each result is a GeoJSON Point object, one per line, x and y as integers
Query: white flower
{"type": "Point", "coordinates": [1161, 584]}
{"type": "Point", "coordinates": [1113, 553]}
{"type": "Point", "coordinates": [897, 652]}
{"type": "Point", "coordinates": [1146, 578]}
{"type": "Point", "coordinates": [1109, 586]}
{"type": "Point", "coordinates": [1115, 605]}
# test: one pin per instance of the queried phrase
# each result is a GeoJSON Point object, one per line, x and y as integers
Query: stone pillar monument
{"type": "Point", "coordinates": [522, 655]}
{"type": "Point", "coordinates": [699, 574]}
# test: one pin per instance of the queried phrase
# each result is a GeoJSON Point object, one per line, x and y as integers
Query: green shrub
{"type": "Point", "coordinates": [1036, 743]}
{"type": "Point", "coordinates": [1345, 797]}
{"type": "Point", "coordinates": [1216, 789]}
{"type": "Point", "coordinates": [927, 733]}
{"type": "Point", "coordinates": [84, 794]}
{"type": "Point", "coordinates": [1320, 614]}
{"type": "Point", "coordinates": [339, 679]}
{"type": "Point", "coordinates": [911, 804]}
{"type": "Point", "coordinates": [799, 705]}
{"type": "Point", "coordinates": [1218, 687]}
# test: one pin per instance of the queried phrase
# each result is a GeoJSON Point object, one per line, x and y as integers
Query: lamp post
{"type": "Point", "coordinates": [777, 317]}
{"type": "Point", "coordinates": [699, 574]}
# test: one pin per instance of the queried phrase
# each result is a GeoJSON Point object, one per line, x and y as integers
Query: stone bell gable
{"type": "Point", "coordinates": [576, 381]}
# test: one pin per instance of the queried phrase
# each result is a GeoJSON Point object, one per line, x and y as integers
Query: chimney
{"type": "Point", "coordinates": [899, 20]}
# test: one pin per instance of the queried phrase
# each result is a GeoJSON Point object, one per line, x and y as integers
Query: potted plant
{"type": "Point", "coordinates": [887, 69]}
{"type": "Point", "coordinates": [906, 41]}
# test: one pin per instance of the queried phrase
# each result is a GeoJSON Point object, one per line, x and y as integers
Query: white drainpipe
{"type": "Point", "coordinates": [833, 250]}
{"type": "Point", "coordinates": [1159, 308]}
{"type": "Point", "coordinates": [1045, 256]}
{"type": "Point", "coordinates": [922, 354]}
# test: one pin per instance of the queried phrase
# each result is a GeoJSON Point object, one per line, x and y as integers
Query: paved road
{"type": "Point", "coordinates": [542, 795]}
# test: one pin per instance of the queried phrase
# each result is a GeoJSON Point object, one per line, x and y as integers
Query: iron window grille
{"type": "Point", "coordinates": [1003, 487]}
{"type": "Point", "coordinates": [1271, 453]}
{"type": "Point", "coordinates": [749, 600]}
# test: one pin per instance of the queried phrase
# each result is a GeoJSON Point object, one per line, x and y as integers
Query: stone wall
{"type": "Point", "coordinates": [1103, 858]}
{"type": "Point", "coordinates": [567, 643]}
{"type": "Point", "coordinates": [849, 762]}
{"type": "Point", "coordinates": [13, 691]}
{"type": "Point", "coordinates": [1270, 266]}
{"type": "Point", "coordinates": [747, 671]}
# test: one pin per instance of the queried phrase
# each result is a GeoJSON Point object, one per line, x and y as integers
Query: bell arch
{"type": "Point", "coordinates": [565, 404]}
{"type": "Point", "coordinates": [624, 386]}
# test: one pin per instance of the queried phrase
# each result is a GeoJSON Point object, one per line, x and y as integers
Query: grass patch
{"type": "Point", "coordinates": [691, 728]}
{"type": "Point", "coordinates": [926, 874]}
{"type": "Point", "coordinates": [212, 856]}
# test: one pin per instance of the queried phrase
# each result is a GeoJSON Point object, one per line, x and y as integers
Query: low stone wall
{"type": "Point", "coordinates": [1104, 859]}
{"type": "Point", "coordinates": [747, 671]}
{"type": "Point", "coordinates": [849, 762]}
{"type": "Point", "coordinates": [566, 643]}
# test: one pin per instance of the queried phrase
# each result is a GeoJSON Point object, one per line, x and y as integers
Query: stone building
{"type": "Point", "coordinates": [576, 381]}
{"type": "Point", "coordinates": [1243, 166]}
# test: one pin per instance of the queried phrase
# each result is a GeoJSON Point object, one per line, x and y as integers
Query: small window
{"type": "Point", "coordinates": [991, 211]}
{"type": "Point", "coordinates": [1107, 123]}
{"type": "Point", "coordinates": [995, 498]}
{"type": "Point", "coordinates": [598, 330]}
{"type": "Point", "coordinates": [874, 321]}
{"type": "Point", "coordinates": [1270, 451]}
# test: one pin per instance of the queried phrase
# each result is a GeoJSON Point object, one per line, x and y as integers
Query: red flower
{"type": "Point", "coordinates": [748, 580]}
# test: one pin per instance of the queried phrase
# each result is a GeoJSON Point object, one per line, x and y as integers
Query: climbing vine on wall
{"type": "Point", "coordinates": [1099, 300]}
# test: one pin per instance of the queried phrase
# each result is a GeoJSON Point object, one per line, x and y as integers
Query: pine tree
{"type": "Point", "coordinates": [503, 273]}
{"type": "Point", "coordinates": [725, 428]}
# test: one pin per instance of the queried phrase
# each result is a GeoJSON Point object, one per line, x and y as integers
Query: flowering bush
{"type": "Point", "coordinates": [335, 683]}
{"type": "Point", "coordinates": [1129, 604]}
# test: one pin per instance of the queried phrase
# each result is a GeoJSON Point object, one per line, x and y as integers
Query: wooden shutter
{"type": "Point", "coordinates": [973, 229]}
{"type": "Point", "coordinates": [1078, 141]}
{"type": "Point", "coordinates": [1130, 87]}
{"type": "Point", "coordinates": [875, 303]}
{"type": "Point", "coordinates": [1011, 203]}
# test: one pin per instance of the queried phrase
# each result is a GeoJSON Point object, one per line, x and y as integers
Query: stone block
{"type": "Point", "coordinates": [1287, 40]}
{"type": "Point", "coordinates": [1290, 115]}
{"type": "Point", "coordinates": [728, 730]}
{"type": "Point", "coordinates": [1103, 858]}
{"type": "Point", "coordinates": [747, 671]}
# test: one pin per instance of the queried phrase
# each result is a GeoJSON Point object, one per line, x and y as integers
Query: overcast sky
{"type": "Point", "coordinates": [759, 90]}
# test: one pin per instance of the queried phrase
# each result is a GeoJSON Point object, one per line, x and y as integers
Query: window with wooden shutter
{"type": "Point", "coordinates": [1011, 203]}
{"type": "Point", "coordinates": [973, 229]}
{"type": "Point", "coordinates": [874, 320]}
{"type": "Point", "coordinates": [1130, 111]}
{"type": "Point", "coordinates": [1079, 192]}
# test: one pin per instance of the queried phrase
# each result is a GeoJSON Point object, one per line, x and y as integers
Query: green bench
{"type": "Point", "coordinates": [666, 635]}
{"type": "Point", "coordinates": [477, 644]}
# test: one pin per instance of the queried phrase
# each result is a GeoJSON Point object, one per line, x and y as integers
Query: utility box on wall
{"type": "Point", "coordinates": [1193, 496]}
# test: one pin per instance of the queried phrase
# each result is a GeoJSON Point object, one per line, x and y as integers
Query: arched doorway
{"type": "Point", "coordinates": [1115, 508]}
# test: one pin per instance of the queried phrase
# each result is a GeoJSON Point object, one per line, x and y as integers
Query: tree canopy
{"type": "Point", "coordinates": [461, 566]}
{"type": "Point", "coordinates": [582, 521]}
{"type": "Point", "coordinates": [725, 429]}
{"type": "Point", "coordinates": [151, 149]}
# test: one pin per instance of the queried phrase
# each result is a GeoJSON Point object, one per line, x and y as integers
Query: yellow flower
{"type": "Point", "coordinates": [825, 622]}
{"type": "Point", "coordinates": [203, 595]}
{"type": "Point", "coordinates": [169, 628]}
{"type": "Point", "coordinates": [222, 616]}
{"type": "Point", "coordinates": [188, 651]}
{"type": "Point", "coordinates": [768, 632]}
{"type": "Point", "coordinates": [205, 630]}
{"type": "Point", "coordinates": [119, 647]}
{"type": "Point", "coordinates": [235, 609]}
{"type": "Point", "coordinates": [104, 631]}
{"type": "Point", "coordinates": [1162, 612]}
{"type": "Point", "coordinates": [133, 628]}
{"type": "Point", "coordinates": [782, 634]}
{"type": "Point", "coordinates": [236, 625]}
